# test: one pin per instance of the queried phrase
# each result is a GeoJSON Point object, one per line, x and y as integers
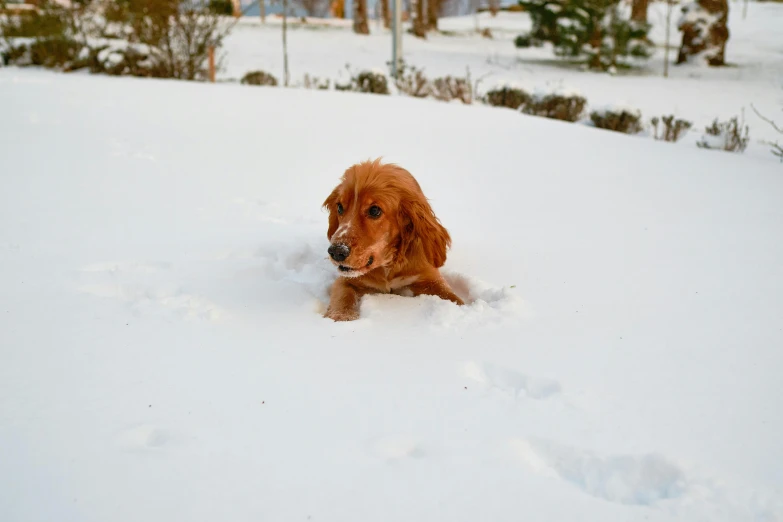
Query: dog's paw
{"type": "Point", "coordinates": [342, 315]}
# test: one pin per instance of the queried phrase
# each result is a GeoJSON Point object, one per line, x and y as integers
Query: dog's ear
{"type": "Point", "coordinates": [331, 205]}
{"type": "Point", "coordinates": [421, 232]}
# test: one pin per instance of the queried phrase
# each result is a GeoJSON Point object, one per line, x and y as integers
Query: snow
{"type": "Point", "coordinates": [693, 91]}
{"type": "Point", "coordinates": [163, 272]}
{"type": "Point", "coordinates": [616, 108]}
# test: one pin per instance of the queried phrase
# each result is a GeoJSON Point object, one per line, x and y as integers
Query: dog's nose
{"type": "Point", "coordinates": [339, 252]}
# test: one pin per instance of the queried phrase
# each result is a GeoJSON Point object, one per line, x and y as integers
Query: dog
{"type": "Point", "coordinates": [384, 238]}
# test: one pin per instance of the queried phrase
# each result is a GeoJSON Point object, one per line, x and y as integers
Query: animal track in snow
{"type": "Point", "coordinates": [397, 447]}
{"type": "Point", "coordinates": [625, 479]}
{"type": "Point", "coordinates": [513, 383]}
{"type": "Point", "coordinates": [144, 286]}
{"type": "Point", "coordinates": [148, 268]}
{"type": "Point", "coordinates": [270, 212]}
{"type": "Point", "coordinates": [143, 437]}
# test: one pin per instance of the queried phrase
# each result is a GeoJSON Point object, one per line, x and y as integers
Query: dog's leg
{"type": "Point", "coordinates": [438, 287]}
{"type": "Point", "coordinates": [343, 301]}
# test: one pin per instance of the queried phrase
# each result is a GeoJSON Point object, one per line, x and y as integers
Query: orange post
{"type": "Point", "coordinates": [211, 64]}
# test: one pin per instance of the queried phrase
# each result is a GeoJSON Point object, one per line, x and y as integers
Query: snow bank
{"type": "Point", "coordinates": [164, 357]}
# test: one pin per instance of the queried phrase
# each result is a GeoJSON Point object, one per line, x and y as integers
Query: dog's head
{"type": "Point", "coordinates": [379, 217]}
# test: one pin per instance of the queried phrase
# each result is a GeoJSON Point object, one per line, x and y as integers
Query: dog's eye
{"type": "Point", "coordinates": [374, 211]}
{"type": "Point", "coordinates": [340, 209]}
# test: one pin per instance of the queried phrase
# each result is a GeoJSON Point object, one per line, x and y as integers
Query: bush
{"type": "Point", "coordinates": [673, 129]}
{"type": "Point", "coordinates": [556, 106]}
{"type": "Point", "coordinates": [313, 82]}
{"type": "Point", "coordinates": [510, 97]}
{"type": "Point", "coordinates": [523, 41]}
{"type": "Point", "coordinates": [412, 82]}
{"type": "Point", "coordinates": [49, 21]}
{"type": "Point", "coordinates": [58, 52]}
{"type": "Point", "coordinates": [259, 78]}
{"type": "Point", "coordinates": [182, 30]}
{"type": "Point", "coordinates": [47, 35]}
{"type": "Point", "coordinates": [731, 136]}
{"type": "Point", "coordinates": [450, 88]}
{"type": "Point", "coordinates": [628, 122]}
{"type": "Point", "coordinates": [168, 38]}
{"type": "Point", "coordinates": [16, 55]}
{"type": "Point", "coordinates": [132, 60]}
{"type": "Point", "coordinates": [371, 82]}
{"type": "Point", "coordinates": [221, 7]}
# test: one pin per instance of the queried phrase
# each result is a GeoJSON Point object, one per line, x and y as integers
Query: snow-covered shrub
{"type": "Point", "coordinates": [506, 96]}
{"type": "Point", "coordinates": [628, 121]}
{"type": "Point", "coordinates": [411, 81]}
{"type": "Point", "coordinates": [731, 136]}
{"type": "Point", "coordinates": [57, 52]}
{"type": "Point", "coordinates": [598, 31]}
{"type": "Point", "coordinates": [43, 37]}
{"type": "Point", "coordinates": [451, 88]}
{"type": "Point", "coordinates": [373, 82]}
{"type": "Point", "coordinates": [130, 60]}
{"type": "Point", "coordinates": [558, 106]}
{"type": "Point", "coordinates": [50, 20]}
{"type": "Point", "coordinates": [259, 78]}
{"type": "Point", "coordinates": [314, 82]}
{"type": "Point", "coordinates": [168, 38]}
{"type": "Point", "coordinates": [181, 30]}
{"type": "Point", "coordinates": [673, 129]}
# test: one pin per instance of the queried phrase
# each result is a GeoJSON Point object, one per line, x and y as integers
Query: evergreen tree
{"type": "Point", "coordinates": [595, 30]}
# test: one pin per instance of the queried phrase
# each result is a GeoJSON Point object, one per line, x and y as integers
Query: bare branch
{"type": "Point", "coordinates": [774, 125]}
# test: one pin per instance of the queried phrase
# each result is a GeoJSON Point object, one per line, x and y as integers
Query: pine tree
{"type": "Point", "coordinates": [595, 30]}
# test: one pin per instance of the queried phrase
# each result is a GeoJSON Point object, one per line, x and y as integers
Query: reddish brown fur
{"type": "Point", "coordinates": [407, 243]}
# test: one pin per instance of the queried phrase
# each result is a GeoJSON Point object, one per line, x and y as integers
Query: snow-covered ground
{"type": "Point", "coordinates": [755, 53]}
{"type": "Point", "coordinates": [163, 355]}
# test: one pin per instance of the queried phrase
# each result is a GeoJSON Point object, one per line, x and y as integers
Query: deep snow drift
{"type": "Point", "coordinates": [163, 357]}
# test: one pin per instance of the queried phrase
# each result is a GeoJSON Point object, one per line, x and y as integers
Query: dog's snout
{"type": "Point", "coordinates": [339, 252]}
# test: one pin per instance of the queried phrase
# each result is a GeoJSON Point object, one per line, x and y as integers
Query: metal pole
{"type": "Point", "coordinates": [397, 38]}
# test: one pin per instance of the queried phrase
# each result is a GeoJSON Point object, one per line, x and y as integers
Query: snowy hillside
{"type": "Point", "coordinates": [163, 272]}
{"type": "Point", "coordinates": [322, 48]}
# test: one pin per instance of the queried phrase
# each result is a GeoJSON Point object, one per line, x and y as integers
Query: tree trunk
{"type": "Point", "coordinates": [385, 14]}
{"type": "Point", "coordinates": [639, 10]}
{"type": "Point", "coordinates": [433, 9]}
{"type": "Point", "coordinates": [262, 10]}
{"type": "Point", "coordinates": [705, 31]}
{"type": "Point", "coordinates": [419, 28]}
{"type": "Point", "coordinates": [360, 17]}
{"type": "Point", "coordinates": [285, 43]}
{"type": "Point", "coordinates": [669, 9]}
{"type": "Point", "coordinates": [494, 7]}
